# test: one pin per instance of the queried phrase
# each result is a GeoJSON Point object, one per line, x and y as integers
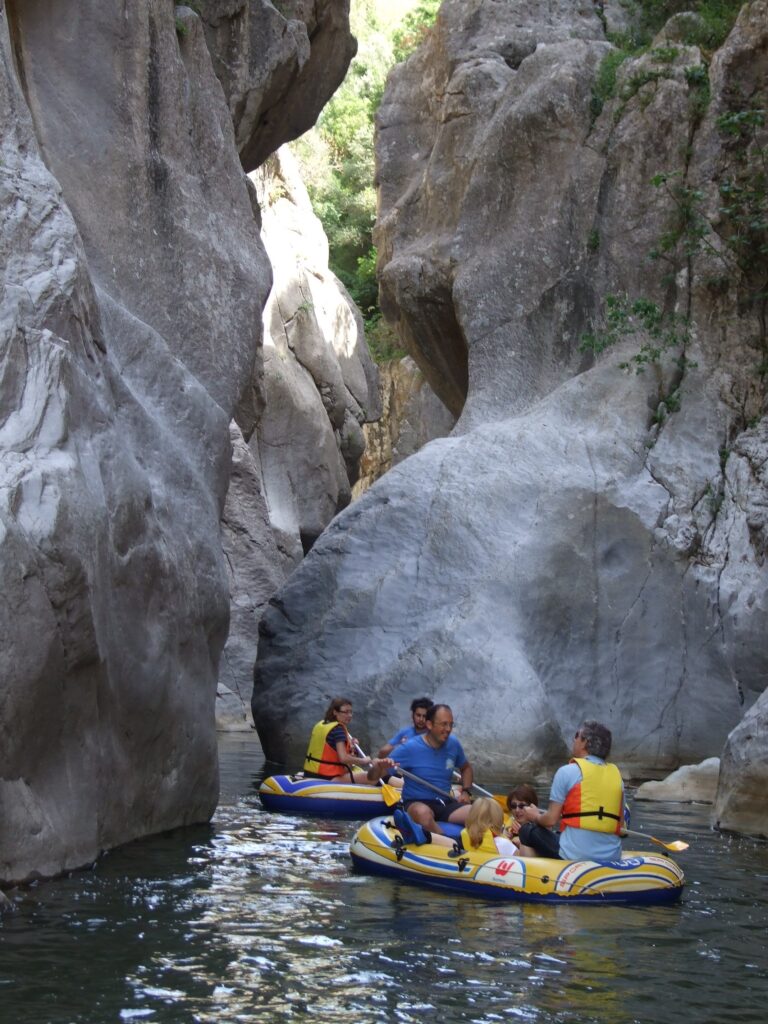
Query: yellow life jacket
{"type": "Point", "coordinates": [596, 803]}
{"type": "Point", "coordinates": [487, 845]}
{"type": "Point", "coordinates": [321, 757]}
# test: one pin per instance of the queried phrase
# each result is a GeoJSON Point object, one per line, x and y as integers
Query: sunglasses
{"type": "Point", "coordinates": [516, 807]}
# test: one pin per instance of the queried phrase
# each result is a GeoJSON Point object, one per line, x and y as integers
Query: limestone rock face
{"type": "Point", "coordinates": [691, 783]}
{"type": "Point", "coordinates": [589, 542]}
{"type": "Point", "coordinates": [278, 64]}
{"type": "Point", "coordinates": [742, 794]}
{"type": "Point", "coordinates": [305, 438]}
{"type": "Point", "coordinates": [134, 280]}
{"type": "Point", "coordinates": [411, 416]}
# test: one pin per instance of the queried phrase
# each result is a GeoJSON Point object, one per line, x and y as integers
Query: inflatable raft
{"type": "Point", "coordinates": [297, 795]}
{"type": "Point", "coordinates": [640, 878]}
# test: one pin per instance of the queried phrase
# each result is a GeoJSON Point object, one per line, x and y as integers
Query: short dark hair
{"type": "Point", "coordinates": [421, 702]}
{"type": "Point", "coordinates": [523, 792]}
{"type": "Point", "coordinates": [597, 738]}
{"type": "Point", "coordinates": [336, 705]}
{"type": "Point", "coordinates": [431, 712]}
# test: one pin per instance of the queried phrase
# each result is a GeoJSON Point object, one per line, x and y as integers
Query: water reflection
{"type": "Point", "coordinates": [260, 919]}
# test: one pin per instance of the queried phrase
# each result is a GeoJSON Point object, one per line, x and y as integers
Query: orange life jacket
{"type": "Point", "coordinates": [321, 757]}
{"type": "Point", "coordinates": [596, 803]}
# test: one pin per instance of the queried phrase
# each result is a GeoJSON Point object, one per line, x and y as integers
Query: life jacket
{"type": "Point", "coordinates": [321, 757]}
{"type": "Point", "coordinates": [487, 844]}
{"type": "Point", "coordinates": [596, 802]}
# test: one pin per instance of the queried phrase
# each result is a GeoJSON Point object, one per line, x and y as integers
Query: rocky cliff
{"type": "Point", "coordinates": [591, 540]}
{"type": "Point", "coordinates": [411, 416]}
{"type": "Point", "coordinates": [295, 467]}
{"type": "Point", "coordinates": [134, 279]}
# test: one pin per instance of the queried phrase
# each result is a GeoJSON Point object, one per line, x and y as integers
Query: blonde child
{"type": "Point", "coordinates": [483, 831]}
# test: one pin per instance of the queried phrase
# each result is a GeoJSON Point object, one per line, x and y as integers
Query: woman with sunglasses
{"type": "Point", "coordinates": [333, 753]}
{"type": "Point", "coordinates": [520, 797]}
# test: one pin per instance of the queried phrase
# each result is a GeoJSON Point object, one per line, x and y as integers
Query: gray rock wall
{"type": "Point", "coordinates": [572, 550]}
{"type": "Point", "coordinates": [411, 416]}
{"type": "Point", "coordinates": [130, 321]}
{"type": "Point", "coordinates": [319, 389]}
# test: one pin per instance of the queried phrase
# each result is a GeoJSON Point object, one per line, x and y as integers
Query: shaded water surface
{"type": "Point", "coordinates": [259, 919]}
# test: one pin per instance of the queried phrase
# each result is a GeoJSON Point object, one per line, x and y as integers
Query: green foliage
{"type": "Point", "coordinates": [623, 318]}
{"type": "Point", "coordinates": [382, 339]}
{"type": "Point", "coordinates": [708, 30]}
{"type": "Point", "coordinates": [605, 82]}
{"type": "Point", "coordinates": [414, 28]}
{"type": "Point", "coordinates": [697, 77]}
{"type": "Point", "coordinates": [737, 238]}
{"type": "Point", "coordinates": [337, 156]}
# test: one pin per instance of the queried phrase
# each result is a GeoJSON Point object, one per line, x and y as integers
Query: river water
{"type": "Point", "coordinates": [259, 919]}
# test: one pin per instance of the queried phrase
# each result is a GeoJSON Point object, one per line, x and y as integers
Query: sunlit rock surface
{"type": "Point", "coordinates": [576, 548]}
{"type": "Point", "coordinates": [320, 387]}
{"type": "Point", "coordinates": [691, 783]}
{"type": "Point", "coordinates": [134, 280]}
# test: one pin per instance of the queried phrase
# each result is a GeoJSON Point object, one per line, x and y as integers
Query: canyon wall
{"type": "Point", "coordinates": [133, 288]}
{"type": "Point", "coordinates": [591, 540]}
{"type": "Point", "coordinates": [297, 454]}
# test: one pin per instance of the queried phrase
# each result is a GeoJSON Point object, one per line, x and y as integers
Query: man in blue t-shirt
{"type": "Point", "coordinates": [419, 708]}
{"type": "Point", "coordinates": [591, 744]}
{"type": "Point", "coordinates": [433, 757]}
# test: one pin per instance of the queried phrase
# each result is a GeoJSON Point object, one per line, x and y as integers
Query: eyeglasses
{"type": "Point", "coordinates": [344, 711]}
{"type": "Point", "coordinates": [516, 807]}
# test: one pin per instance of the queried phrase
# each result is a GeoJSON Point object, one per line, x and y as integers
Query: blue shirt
{"type": "Point", "coordinates": [580, 843]}
{"type": "Point", "coordinates": [405, 734]}
{"type": "Point", "coordinates": [433, 765]}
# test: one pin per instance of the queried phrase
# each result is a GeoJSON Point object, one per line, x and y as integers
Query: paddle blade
{"type": "Point", "coordinates": [391, 795]}
{"type": "Point", "coordinates": [677, 845]}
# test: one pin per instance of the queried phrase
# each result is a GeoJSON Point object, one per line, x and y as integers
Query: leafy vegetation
{"type": "Point", "coordinates": [735, 236]}
{"type": "Point", "coordinates": [337, 156]}
{"type": "Point", "coordinates": [712, 22]}
{"type": "Point", "coordinates": [413, 28]}
{"type": "Point", "coordinates": [709, 24]}
{"type": "Point", "coordinates": [623, 318]}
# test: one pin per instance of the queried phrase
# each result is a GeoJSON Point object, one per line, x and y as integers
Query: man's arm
{"type": "Point", "coordinates": [467, 778]}
{"type": "Point", "coordinates": [386, 750]}
{"type": "Point", "coordinates": [548, 818]}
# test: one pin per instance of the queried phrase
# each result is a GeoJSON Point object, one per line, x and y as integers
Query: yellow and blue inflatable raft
{"type": "Point", "coordinates": [640, 878]}
{"type": "Point", "coordinates": [297, 795]}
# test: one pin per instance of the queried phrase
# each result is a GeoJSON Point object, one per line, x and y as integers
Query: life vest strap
{"type": "Point", "coordinates": [602, 813]}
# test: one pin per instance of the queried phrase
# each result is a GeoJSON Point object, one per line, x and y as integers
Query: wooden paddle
{"type": "Point", "coordinates": [677, 845]}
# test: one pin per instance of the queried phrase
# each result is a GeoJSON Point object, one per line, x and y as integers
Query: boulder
{"type": "Point", "coordinates": [589, 542]}
{"type": "Point", "coordinates": [741, 804]}
{"type": "Point", "coordinates": [134, 280]}
{"type": "Point", "coordinates": [690, 783]}
{"type": "Point", "coordinates": [278, 65]}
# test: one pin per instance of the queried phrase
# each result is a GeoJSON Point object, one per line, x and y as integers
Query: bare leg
{"type": "Point", "coordinates": [422, 815]}
{"type": "Point", "coordinates": [460, 815]}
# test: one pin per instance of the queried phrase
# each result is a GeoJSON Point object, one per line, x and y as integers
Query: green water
{"type": "Point", "coordinates": [260, 919]}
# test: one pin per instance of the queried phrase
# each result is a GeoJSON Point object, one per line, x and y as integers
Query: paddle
{"type": "Point", "coordinates": [480, 789]}
{"type": "Point", "coordinates": [391, 795]}
{"type": "Point", "coordinates": [423, 782]}
{"type": "Point", "coordinates": [677, 845]}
